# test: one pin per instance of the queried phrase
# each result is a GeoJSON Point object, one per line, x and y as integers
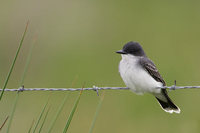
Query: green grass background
{"type": "Point", "coordinates": [77, 40]}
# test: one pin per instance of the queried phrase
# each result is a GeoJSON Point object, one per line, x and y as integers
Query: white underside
{"type": "Point", "coordinates": [135, 77]}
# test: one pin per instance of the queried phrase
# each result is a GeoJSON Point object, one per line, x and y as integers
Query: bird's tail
{"type": "Point", "coordinates": [166, 103]}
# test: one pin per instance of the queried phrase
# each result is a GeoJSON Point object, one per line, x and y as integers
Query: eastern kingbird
{"type": "Point", "coordinates": [141, 75]}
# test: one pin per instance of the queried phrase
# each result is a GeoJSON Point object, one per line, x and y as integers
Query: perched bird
{"type": "Point", "coordinates": [141, 75]}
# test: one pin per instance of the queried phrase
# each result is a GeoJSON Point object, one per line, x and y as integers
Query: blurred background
{"type": "Point", "coordinates": [75, 44]}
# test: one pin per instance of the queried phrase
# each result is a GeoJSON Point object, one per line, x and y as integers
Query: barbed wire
{"type": "Point", "coordinates": [95, 88]}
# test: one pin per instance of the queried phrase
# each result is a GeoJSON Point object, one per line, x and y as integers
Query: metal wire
{"type": "Point", "coordinates": [174, 87]}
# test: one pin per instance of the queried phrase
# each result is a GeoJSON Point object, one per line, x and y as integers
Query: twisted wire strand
{"type": "Point", "coordinates": [96, 88]}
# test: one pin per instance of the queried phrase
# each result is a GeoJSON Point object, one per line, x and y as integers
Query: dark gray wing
{"type": "Point", "coordinates": [166, 104]}
{"type": "Point", "coordinates": [149, 66]}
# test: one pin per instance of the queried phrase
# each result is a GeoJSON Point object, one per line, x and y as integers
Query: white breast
{"type": "Point", "coordinates": [135, 77]}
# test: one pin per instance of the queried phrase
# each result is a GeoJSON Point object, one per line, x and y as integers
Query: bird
{"type": "Point", "coordinates": [141, 76]}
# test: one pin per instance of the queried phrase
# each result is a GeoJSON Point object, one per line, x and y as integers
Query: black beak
{"type": "Point", "coordinates": [120, 52]}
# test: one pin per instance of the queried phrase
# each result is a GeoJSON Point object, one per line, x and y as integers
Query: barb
{"type": "Point", "coordinates": [99, 88]}
{"type": "Point", "coordinates": [96, 89]}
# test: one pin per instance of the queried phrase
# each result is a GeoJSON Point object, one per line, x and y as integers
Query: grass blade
{"type": "Point", "coordinates": [41, 114]}
{"type": "Point", "coordinates": [4, 122]}
{"type": "Point", "coordinates": [57, 113]}
{"type": "Point", "coordinates": [29, 131]}
{"type": "Point", "coordinates": [28, 60]}
{"type": "Point", "coordinates": [96, 113]}
{"type": "Point", "coordinates": [72, 113]}
{"type": "Point", "coordinates": [44, 121]}
{"type": "Point", "coordinates": [13, 63]}
{"type": "Point", "coordinates": [60, 108]}
{"type": "Point", "coordinates": [21, 84]}
{"type": "Point", "coordinates": [12, 113]}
